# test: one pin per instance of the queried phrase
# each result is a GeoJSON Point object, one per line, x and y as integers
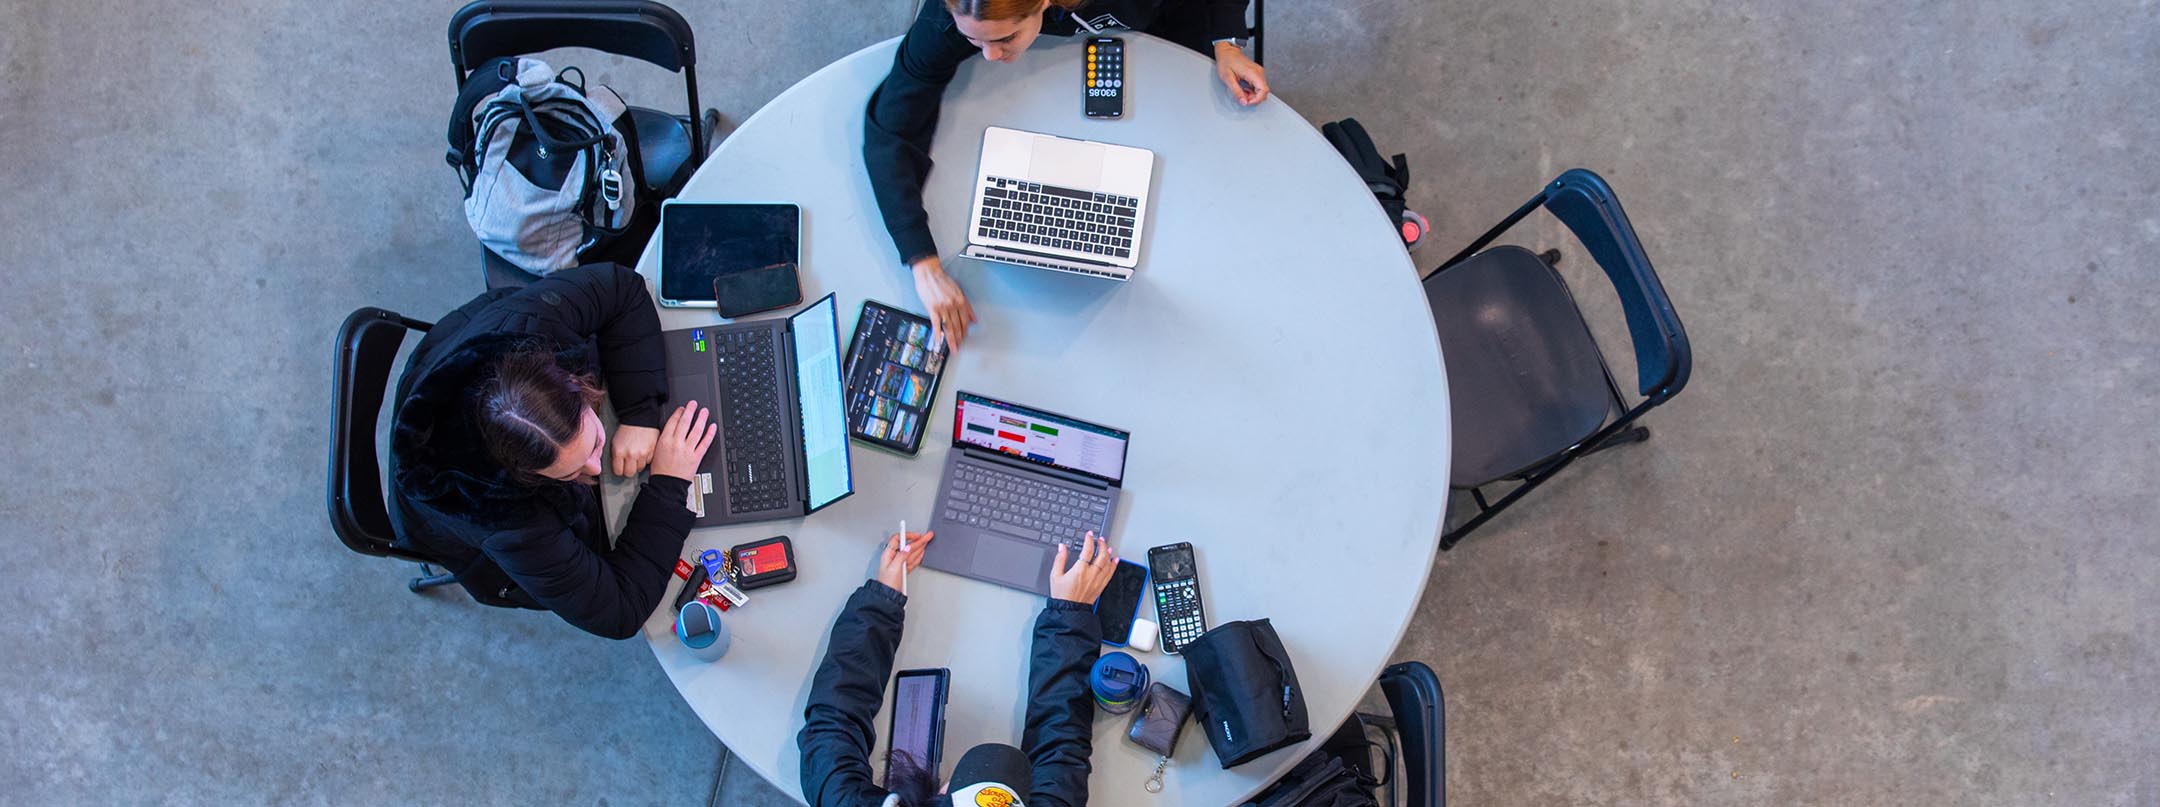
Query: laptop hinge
{"type": "Point", "coordinates": [1060, 473]}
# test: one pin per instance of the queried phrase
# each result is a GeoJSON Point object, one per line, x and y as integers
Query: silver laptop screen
{"type": "Point", "coordinates": [1040, 437]}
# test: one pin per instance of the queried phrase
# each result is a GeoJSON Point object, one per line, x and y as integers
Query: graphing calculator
{"type": "Point", "coordinates": [1105, 80]}
{"type": "Point", "coordinates": [1177, 595]}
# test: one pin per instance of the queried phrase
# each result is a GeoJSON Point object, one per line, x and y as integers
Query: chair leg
{"type": "Point", "coordinates": [430, 579]}
{"type": "Point", "coordinates": [1632, 435]}
{"type": "Point", "coordinates": [712, 130]}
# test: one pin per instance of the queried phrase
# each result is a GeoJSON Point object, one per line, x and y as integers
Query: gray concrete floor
{"type": "Point", "coordinates": [1894, 545]}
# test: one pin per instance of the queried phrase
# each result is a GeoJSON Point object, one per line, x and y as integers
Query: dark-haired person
{"type": "Point", "coordinates": [903, 111]}
{"type": "Point", "coordinates": [1058, 735]}
{"type": "Point", "coordinates": [497, 449]}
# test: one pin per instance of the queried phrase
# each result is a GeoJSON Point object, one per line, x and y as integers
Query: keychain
{"type": "Point", "coordinates": [1154, 783]}
{"type": "Point", "coordinates": [721, 570]}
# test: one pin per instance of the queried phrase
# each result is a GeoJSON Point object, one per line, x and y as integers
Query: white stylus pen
{"type": "Point", "coordinates": [903, 557]}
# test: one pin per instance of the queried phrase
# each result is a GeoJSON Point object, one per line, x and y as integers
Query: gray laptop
{"type": "Point", "coordinates": [1020, 481]}
{"type": "Point", "coordinates": [774, 387]}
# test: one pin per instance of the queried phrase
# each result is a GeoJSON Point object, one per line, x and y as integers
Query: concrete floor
{"type": "Point", "coordinates": [1892, 546]}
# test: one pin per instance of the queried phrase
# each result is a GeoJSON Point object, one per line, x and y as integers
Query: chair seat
{"type": "Point", "coordinates": [663, 149]}
{"type": "Point", "coordinates": [1525, 380]}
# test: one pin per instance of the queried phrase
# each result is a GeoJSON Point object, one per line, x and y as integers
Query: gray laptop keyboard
{"type": "Point", "coordinates": [1018, 505]}
{"type": "Point", "coordinates": [1050, 216]}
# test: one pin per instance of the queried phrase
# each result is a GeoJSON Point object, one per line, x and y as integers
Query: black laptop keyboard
{"type": "Point", "coordinates": [1022, 506]}
{"type": "Point", "coordinates": [1061, 218]}
{"type": "Point", "coordinates": [757, 450]}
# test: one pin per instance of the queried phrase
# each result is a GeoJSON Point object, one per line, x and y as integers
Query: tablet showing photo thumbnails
{"type": "Point", "coordinates": [739, 258]}
{"type": "Point", "coordinates": [892, 377]}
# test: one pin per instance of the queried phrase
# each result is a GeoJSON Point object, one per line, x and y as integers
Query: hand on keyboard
{"type": "Point", "coordinates": [950, 313]}
{"type": "Point", "coordinates": [1084, 580]}
{"type": "Point", "coordinates": [683, 441]}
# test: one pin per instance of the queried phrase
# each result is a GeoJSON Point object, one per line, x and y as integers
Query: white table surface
{"type": "Point", "coordinates": [1274, 359]}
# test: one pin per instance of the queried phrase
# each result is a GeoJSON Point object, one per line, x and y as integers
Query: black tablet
{"type": "Point", "coordinates": [725, 243]}
{"type": "Point", "coordinates": [892, 377]}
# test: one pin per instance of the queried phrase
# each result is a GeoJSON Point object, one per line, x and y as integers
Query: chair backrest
{"type": "Point", "coordinates": [1583, 202]}
{"type": "Point", "coordinates": [1413, 694]}
{"type": "Point", "coordinates": [367, 349]}
{"type": "Point", "coordinates": [639, 29]}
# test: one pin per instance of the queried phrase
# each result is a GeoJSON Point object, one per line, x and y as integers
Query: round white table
{"type": "Point", "coordinates": [1273, 357]}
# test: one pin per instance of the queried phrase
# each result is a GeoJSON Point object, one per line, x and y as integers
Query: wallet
{"type": "Point", "coordinates": [1155, 727]}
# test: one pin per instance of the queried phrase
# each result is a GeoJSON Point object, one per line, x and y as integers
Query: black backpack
{"type": "Point", "coordinates": [1389, 180]}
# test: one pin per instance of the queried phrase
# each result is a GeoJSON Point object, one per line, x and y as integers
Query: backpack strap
{"type": "Point", "coordinates": [484, 81]}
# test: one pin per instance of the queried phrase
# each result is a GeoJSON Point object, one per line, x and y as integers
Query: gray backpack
{"type": "Point", "coordinates": [550, 171]}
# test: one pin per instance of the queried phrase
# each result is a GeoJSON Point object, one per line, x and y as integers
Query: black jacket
{"type": "Point", "coordinates": [838, 731]}
{"type": "Point", "coordinates": [544, 546]}
{"type": "Point", "coordinates": [903, 110]}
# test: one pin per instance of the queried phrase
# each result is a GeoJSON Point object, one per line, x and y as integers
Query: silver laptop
{"type": "Point", "coordinates": [1018, 482]}
{"type": "Point", "coordinates": [1057, 203]}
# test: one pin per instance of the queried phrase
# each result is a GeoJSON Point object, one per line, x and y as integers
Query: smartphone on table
{"type": "Point", "coordinates": [918, 716]}
{"type": "Point", "coordinates": [1119, 604]}
{"type": "Point", "coordinates": [1104, 80]}
{"type": "Point", "coordinates": [1177, 595]}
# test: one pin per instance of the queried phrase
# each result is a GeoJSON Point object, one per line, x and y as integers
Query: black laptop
{"type": "Point", "coordinates": [782, 450]}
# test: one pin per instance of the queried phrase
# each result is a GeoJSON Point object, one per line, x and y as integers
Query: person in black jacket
{"type": "Point", "coordinates": [849, 687]}
{"type": "Point", "coordinates": [496, 449]}
{"type": "Point", "coordinates": [903, 110]}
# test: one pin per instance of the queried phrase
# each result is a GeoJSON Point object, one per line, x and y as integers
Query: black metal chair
{"type": "Point", "coordinates": [670, 147]}
{"type": "Point", "coordinates": [1528, 387]}
{"type": "Point", "coordinates": [367, 349]}
{"type": "Point", "coordinates": [1259, 32]}
{"type": "Point", "coordinates": [1414, 731]}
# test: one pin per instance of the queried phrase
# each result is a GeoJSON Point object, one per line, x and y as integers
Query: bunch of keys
{"type": "Point", "coordinates": [720, 574]}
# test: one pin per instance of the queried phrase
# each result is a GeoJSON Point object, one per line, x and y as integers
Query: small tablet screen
{"type": "Point", "coordinates": [700, 241]}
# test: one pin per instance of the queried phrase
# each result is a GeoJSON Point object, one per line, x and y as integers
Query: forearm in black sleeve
{"type": "Point", "coordinates": [605, 593]}
{"type": "Point", "coordinates": [608, 303]}
{"type": "Point", "coordinates": [1226, 19]}
{"type": "Point", "coordinates": [1059, 736]}
{"type": "Point", "coordinates": [838, 732]}
{"type": "Point", "coordinates": [900, 119]}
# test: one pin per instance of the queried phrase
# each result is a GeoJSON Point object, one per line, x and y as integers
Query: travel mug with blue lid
{"type": "Point", "coordinates": [699, 628]}
{"type": "Point", "coordinates": [1118, 680]}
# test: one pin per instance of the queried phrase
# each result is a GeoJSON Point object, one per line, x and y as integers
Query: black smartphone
{"type": "Point", "coordinates": [1120, 602]}
{"type": "Point", "coordinates": [1177, 595]}
{"type": "Point", "coordinates": [763, 288]}
{"type": "Point", "coordinates": [918, 716]}
{"type": "Point", "coordinates": [1104, 78]}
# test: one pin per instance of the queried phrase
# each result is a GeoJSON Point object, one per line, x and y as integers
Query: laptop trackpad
{"type": "Point", "coordinates": [1066, 163]}
{"type": "Point", "coordinates": [1014, 563]}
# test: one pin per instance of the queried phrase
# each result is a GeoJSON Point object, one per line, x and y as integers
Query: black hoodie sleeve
{"type": "Point", "coordinates": [605, 303]}
{"type": "Point", "coordinates": [1059, 736]}
{"type": "Point", "coordinates": [839, 724]}
{"type": "Point", "coordinates": [901, 117]}
{"type": "Point", "coordinates": [605, 593]}
{"type": "Point", "coordinates": [1226, 19]}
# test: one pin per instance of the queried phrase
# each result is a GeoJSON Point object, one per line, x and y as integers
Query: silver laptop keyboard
{"type": "Point", "coordinates": [1061, 218]}
{"type": "Point", "coordinates": [1018, 505]}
